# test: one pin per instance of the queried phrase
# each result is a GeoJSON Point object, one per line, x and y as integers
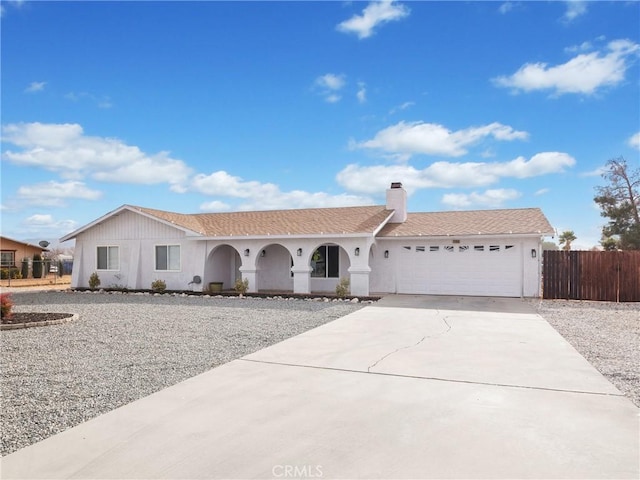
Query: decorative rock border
{"type": "Point", "coordinates": [45, 323]}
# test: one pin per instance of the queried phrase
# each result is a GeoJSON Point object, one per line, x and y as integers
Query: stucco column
{"type": "Point", "coordinates": [301, 279]}
{"type": "Point", "coordinates": [359, 281]}
{"type": "Point", "coordinates": [250, 274]}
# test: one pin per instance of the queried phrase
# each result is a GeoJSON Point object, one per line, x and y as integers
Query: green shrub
{"type": "Point", "coordinates": [5, 305]}
{"type": "Point", "coordinates": [94, 280]}
{"type": "Point", "coordinates": [24, 268]}
{"type": "Point", "coordinates": [241, 286]}
{"type": "Point", "coordinates": [158, 286]}
{"type": "Point", "coordinates": [342, 288]}
{"type": "Point", "coordinates": [10, 273]}
{"type": "Point", "coordinates": [37, 265]}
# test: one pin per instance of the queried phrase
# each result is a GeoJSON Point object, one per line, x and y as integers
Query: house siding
{"type": "Point", "coordinates": [136, 236]}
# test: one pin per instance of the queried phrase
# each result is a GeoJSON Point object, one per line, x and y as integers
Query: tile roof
{"type": "Point", "coordinates": [310, 221]}
{"type": "Point", "coordinates": [474, 222]}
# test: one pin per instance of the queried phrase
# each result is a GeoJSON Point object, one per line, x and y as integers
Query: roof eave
{"type": "Point", "coordinates": [119, 210]}
{"type": "Point", "coordinates": [467, 235]}
{"type": "Point", "coordinates": [280, 236]}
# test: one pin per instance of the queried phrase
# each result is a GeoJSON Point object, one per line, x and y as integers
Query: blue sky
{"type": "Point", "coordinates": [218, 106]}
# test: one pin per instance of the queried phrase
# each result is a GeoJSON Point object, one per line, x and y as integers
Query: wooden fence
{"type": "Point", "coordinates": [585, 275]}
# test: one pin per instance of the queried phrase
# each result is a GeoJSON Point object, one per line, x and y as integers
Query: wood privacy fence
{"type": "Point", "coordinates": [585, 275]}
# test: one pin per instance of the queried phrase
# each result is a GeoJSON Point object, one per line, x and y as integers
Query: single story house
{"type": "Point", "coordinates": [380, 249]}
{"type": "Point", "coordinates": [12, 251]}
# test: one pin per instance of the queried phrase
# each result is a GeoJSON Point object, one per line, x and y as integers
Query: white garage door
{"type": "Point", "coordinates": [484, 269]}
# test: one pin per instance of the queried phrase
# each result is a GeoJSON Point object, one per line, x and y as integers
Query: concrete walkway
{"type": "Point", "coordinates": [424, 387]}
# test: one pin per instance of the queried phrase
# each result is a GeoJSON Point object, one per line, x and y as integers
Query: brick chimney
{"type": "Point", "coordinates": [397, 200]}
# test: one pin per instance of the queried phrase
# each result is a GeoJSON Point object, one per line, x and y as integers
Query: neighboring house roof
{"type": "Point", "coordinates": [520, 221]}
{"type": "Point", "coordinates": [26, 244]}
{"type": "Point", "coordinates": [309, 221]}
{"type": "Point", "coordinates": [371, 220]}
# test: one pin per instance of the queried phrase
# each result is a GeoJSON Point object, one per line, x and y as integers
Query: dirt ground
{"type": "Point", "coordinates": [51, 282]}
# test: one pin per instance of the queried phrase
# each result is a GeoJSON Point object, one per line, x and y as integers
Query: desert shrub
{"type": "Point", "coordinates": [5, 305]}
{"type": "Point", "coordinates": [24, 268]}
{"type": "Point", "coordinates": [241, 286]}
{"type": "Point", "coordinates": [37, 265]}
{"type": "Point", "coordinates": [10, 273]}
{"type": "Point", "coordinates": [94, 280]}
{"type": "Point", "coordinates": [158, 286]}
{"type": "Point", "coordinates": [342, 288]}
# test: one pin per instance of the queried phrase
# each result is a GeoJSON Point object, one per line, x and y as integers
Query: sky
{"type": "Point", "coordinates": [205, 106]}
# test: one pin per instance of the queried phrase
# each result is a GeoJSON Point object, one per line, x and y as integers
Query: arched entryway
{"type": "Point", "coordinates": [273, 273]}
{"type": "Point", "coordinates": [223, 266]}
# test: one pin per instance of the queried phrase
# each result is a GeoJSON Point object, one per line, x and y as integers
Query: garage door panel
{"type": "Point", "coordinates": [475, 269]}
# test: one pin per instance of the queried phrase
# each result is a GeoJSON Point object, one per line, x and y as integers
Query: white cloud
{"type": "Point", "coordinates": [489, 198]}
{"type": "Point", "coordinates": [54, 194]}
{"type": "Point", "coordinates": [100, 101]}
{"type": "Point", "coordinates": [506, 7]}
{"type": "Point", "coordinates": [634, 141]}
{"type": "Point", "coordinates": [331, 81]}
{"type": "Point", "coordinates": [265, 196]}
{"type": "Point", "coordinates": [362, 92]}
{"type": "Point", "coordinates": [583, 74]}
{"type": "Point", "coordinates": [594, 173]}
{"type": "Point", "coordinates": [406, 139]}
{"type": "Point", "coordinates": [583, 47]}
{"type": "Point", "coordinates": [399, 108]}
{"type": "Point", "coordinates": [65, 149]}
{"type": "Point", "coordinates": [329, 85]}
{"type": "Point", "coordinates": [374, 179]}
{"type": "Point", "coordinates": [35, 87]}
{"type": "Point", "coordinates": [542, 191]}
{"type": "Point", "coordinates": [374, 14]}
{"type": "Point", "coordinates": [215, 206]}
{"type": "Point", "coordinates": [47, 224]}
{"type": "Point", "coordinates": [575, 9]}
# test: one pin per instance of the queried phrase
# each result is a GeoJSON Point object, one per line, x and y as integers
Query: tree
{"type": "Point", "coordinates": [549, 246]}
{"type": "Point", "coordinates": [619, 201]}
{"type": "Point", "coordinates": [566, 238]}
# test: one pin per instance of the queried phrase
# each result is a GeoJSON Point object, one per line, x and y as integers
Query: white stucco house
{"type": "Point", "coordinates": [381, 249]}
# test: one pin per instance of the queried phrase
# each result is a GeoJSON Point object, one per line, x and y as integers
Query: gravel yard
{"type": "Point", "coordinates": [606, 334]}
{"type": "Point", "coordinates": [125, 347]}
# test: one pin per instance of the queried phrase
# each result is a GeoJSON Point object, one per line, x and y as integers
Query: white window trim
{"type": "Point", "coordinates": [155, 258]}
{"type": "Point", "coordinates": [97, 256]}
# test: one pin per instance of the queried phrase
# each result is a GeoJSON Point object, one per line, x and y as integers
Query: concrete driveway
{"type": "Point", "coordinates": [413, 387]}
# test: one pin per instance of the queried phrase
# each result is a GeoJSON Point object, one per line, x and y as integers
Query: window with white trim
{"type": "Point", "coordinates": [168, 257]}
{"type": "Point", "coordinates": [108, 258]}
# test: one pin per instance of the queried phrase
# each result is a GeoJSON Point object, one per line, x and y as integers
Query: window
{"type": "Point", "coordinates": [463, 248]}
{"type": "Point", "coordinates": [494, 248]}
{"type": "Point", "coordinates": [448, 248]}
{"type": "Point", "coordinates": [8, 259]}
{"type": "Point", "coordinates": [478, 248]}
{"type": "Point", "coordinates": [168, 257]}
{"type": "Point", "coordinates": [434, 248]}
{"type": "Point", "coordinates": [325, 262]}
{"type": "Point", "coordinates": [108, 258]}
{"type": "Point", "coordinates": [420, 249]}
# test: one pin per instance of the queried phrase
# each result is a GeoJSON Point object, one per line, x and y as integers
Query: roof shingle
{"type": "Point", "coordinates": [311, 221]}
{"type": "Point", "coordinates": [473, 222]}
